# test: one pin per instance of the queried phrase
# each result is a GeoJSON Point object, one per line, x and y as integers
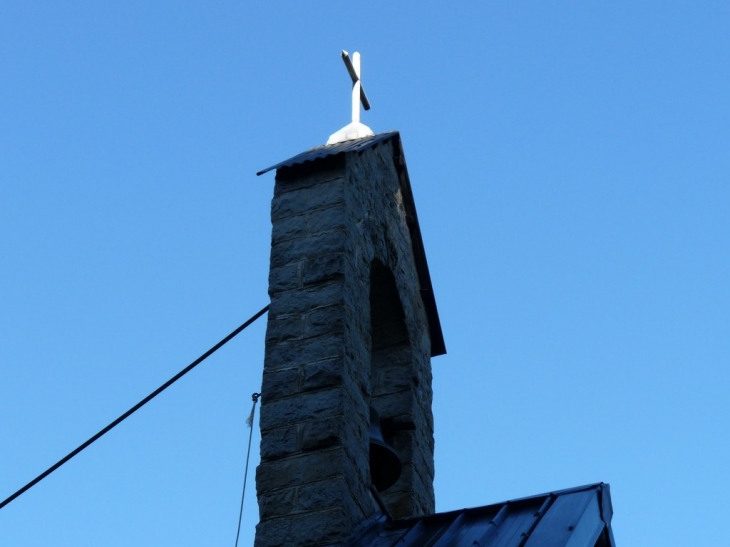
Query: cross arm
{"type": "Point", "coordinates": [355, 78]}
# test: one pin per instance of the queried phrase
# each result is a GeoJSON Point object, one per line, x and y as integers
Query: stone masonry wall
{"type": "Point", "coordinates": [322, 368]}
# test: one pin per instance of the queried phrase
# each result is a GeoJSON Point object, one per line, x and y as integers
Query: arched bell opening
{"type": "Point", "coordinates": [390, 376]}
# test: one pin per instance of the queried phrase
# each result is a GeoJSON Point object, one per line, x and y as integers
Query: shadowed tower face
{"type": "Point", "coordinates": [348, 329]}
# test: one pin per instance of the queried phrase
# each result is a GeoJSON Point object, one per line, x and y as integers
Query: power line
{"type": "Point", "coordinates": [249, 423]}
{"type": "Point", "coordinates": [135, 408]}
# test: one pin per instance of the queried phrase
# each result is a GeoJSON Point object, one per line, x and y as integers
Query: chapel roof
{"type": "Point", "coordinates": [577, 517]}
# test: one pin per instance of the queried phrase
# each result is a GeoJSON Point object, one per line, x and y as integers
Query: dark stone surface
{"type": "Point", "coordinates": [321, 528]}
{"type": "Point", "coordinates": [300, 469]}
{"type": "Point", "coordinates": [322, 374]}
{"type": "Point", "coordinates": [323, 268]}
{"type": "Point", "coordinates": [282, 441]}
{"type": "Point", "coordinates": [296, 250]}
{"type": "Point", "coordinates": [284, 328]}
{"type": "Point", "coordinates": [331, 230]}
{"type": "Point", "coordinates": [304, 200]}
{"type": "Point", "coordinates": [284, 354]}
{"type": "Point", "coordinates": [307, 298]}
{"type": "Point", "coordinates": [285, 278]}
{"type": "Point", "coordinates": [304, 406]}
{"type": "Point", "coordinates": [328, 320]}
{"type": "Point", "coordinates": [280, 383]}
{"type": "Point", "coordinates": [323, 433]}
{"type": "Point", "coordinates": [278, 503]}
{"type": "Point", "coordinates": [322, 174]}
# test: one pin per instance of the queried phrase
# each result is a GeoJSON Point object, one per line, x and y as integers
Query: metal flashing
{"type": "Point", "coordinates": [321, 152]}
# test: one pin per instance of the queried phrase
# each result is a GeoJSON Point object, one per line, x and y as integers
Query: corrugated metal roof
{"type": "Point", "coordinates": [579, 517]}
{"type": "Point", "coordinates": [320, 152]}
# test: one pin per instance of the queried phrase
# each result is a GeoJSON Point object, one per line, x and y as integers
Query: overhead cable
{"type": "Point", "coordinates": [135, 408]}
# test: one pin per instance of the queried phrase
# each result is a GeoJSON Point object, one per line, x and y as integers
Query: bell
{"type": "Point", "coordinates": [385, 466]}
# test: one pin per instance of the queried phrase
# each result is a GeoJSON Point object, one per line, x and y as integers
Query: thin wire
{"type": "Point", "coordinates": [249, 423]}
{"type": "Point", "coordinates": [134, 409]}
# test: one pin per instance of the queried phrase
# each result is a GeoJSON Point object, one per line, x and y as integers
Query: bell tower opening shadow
{"type": "Point", "coordinates": [395, 381]}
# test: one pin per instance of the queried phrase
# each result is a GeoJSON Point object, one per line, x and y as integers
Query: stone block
{"type": "Point", "coordinates": [328, 494]}
{"type": "Point", "coordinates": [285, 278]}
{"type": "Point", "coordinates": [330, 319]}
{"type": "Point", "coordinates": [327, 219]}
{"type": "Point", "coordinates": [308, 529]}
{"type": "Point", "coordinates": [303, 200]}
{"type": "Point", "coordinates": [310, 246]}
{"type": "Point", "coordinates": [323, 374]}
{"type": "Point", "coordinates": [279, 442]}
{"type": "Point", "coordinates": [323, 433]}
{"type": "Point", "coordinates": [300, 469]}
{"type": "Point", "coordinates": [294, 352]}
{"type": "Point", "coordinates": [277, 503]}
{"type": "Point", "coordinates": [313, 178]}
{"type": "Point", "coordinates": [324, 267]}
{"type": "Point", "coordinates": [279, 383]}
{"type": "Point", "coordinates": [307, 299]}
{"type": "Point", "coordinates": [305, 406]}
{"type": "Point", "coordinates": [394, 404]}
{"type": "Point", "coordinates": [288, 228]}
{"type": "Point", "coordinates": [399, 503]}
{"type": "Point", "coordinates": [414, 449]}
{"type": "Point", "coordinates": [283, 328]}
{"type": "Point", "coordinates": [391, 378]}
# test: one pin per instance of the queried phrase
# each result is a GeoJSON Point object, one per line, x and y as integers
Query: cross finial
{"type": "Point", "coordinates": [354, 130]}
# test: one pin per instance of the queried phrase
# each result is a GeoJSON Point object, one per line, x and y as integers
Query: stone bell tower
{"type": "Point", "coordinates": [352, 326]}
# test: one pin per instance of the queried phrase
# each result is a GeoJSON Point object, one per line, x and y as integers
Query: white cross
{"type": "Point", "coordinates": [358, 93]}
{"type": "Point", "coordinates": [354, 130]}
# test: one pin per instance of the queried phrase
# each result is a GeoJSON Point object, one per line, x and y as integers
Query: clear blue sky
{"type": "Point", "coordinates": [571, 171]}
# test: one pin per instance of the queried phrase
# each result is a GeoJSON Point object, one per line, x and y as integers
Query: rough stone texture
{"type": "Point", "coordinates": [346, 329]}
